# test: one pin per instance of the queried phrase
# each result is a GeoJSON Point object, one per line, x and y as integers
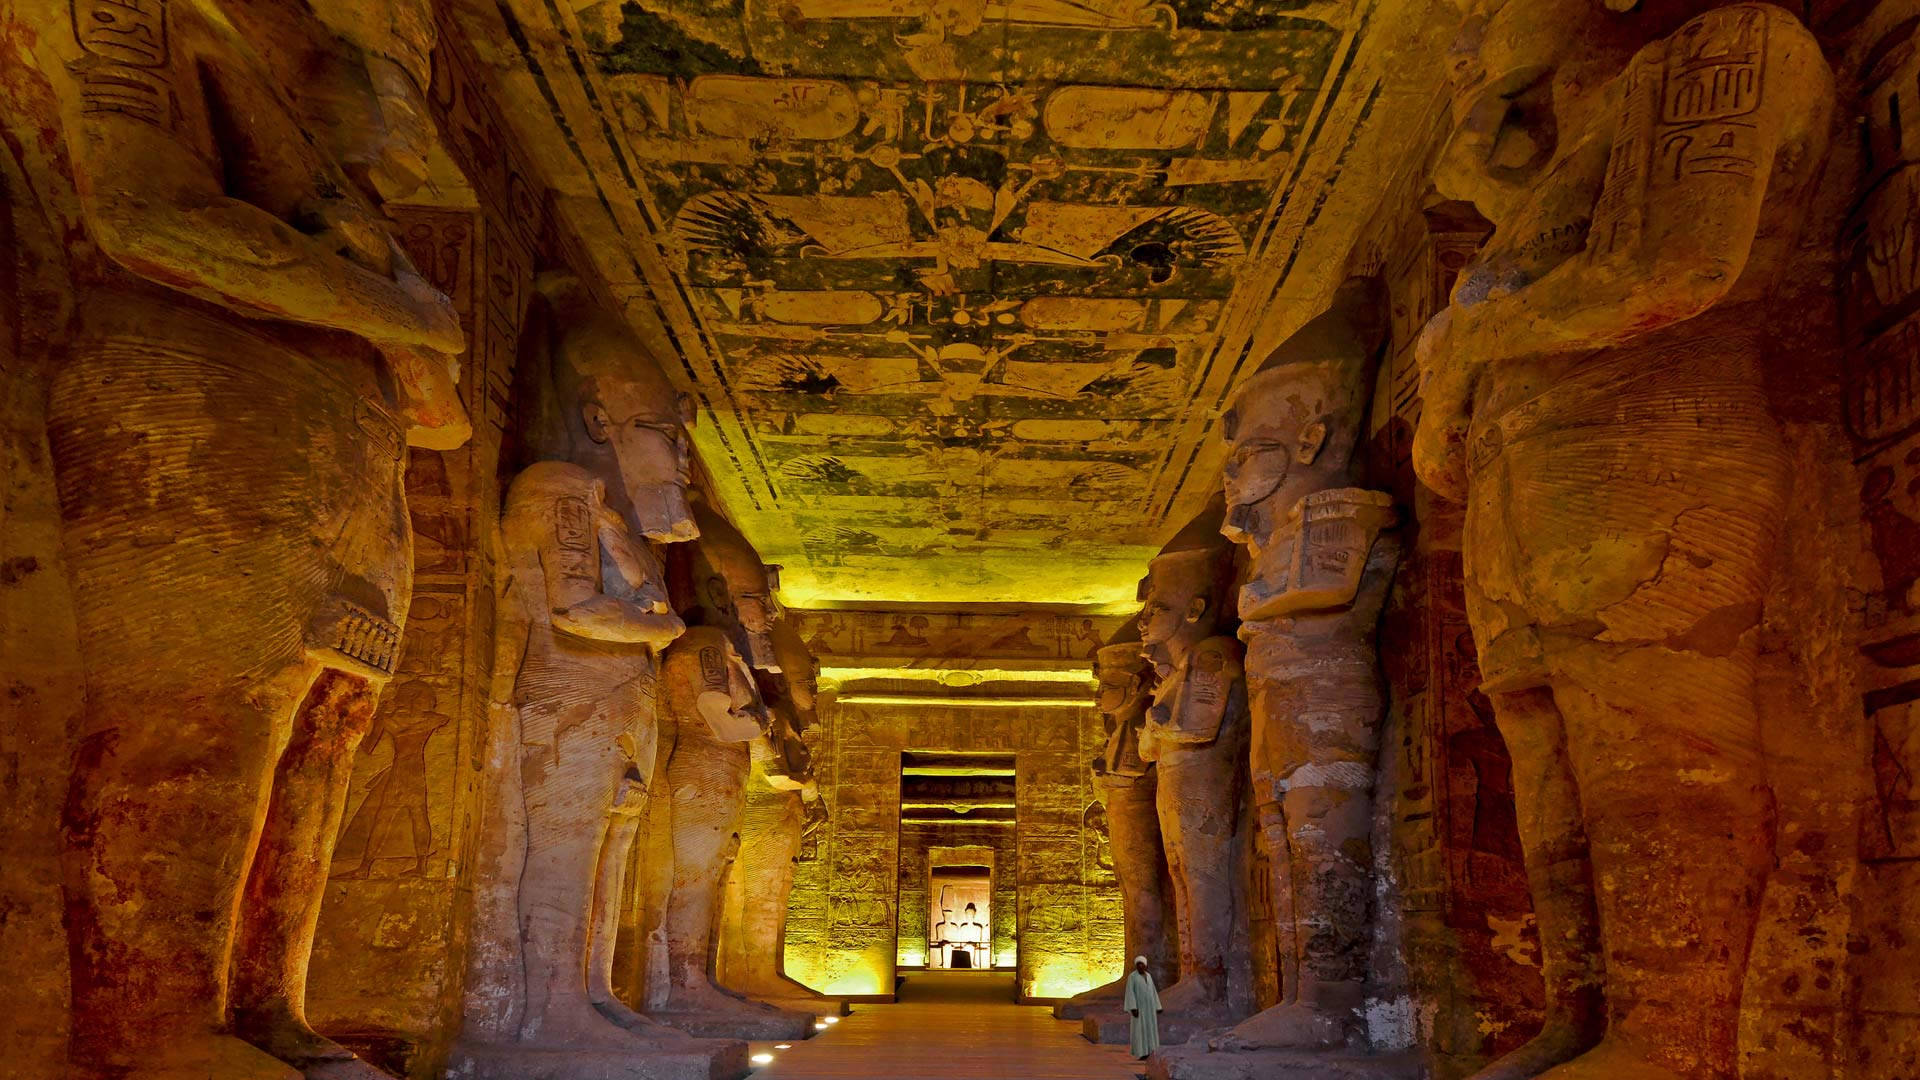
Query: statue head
{"type": "Point", "coordinates": [733, 589]}
{"type": "Point", "coordinates": [1291, 428]}
{"type": "Point", "coordinates": [610, 401]}
{"type": "Point", "coordinates": [1523, 72]}
{"type": "Point", "coordinates": [1185, 588]}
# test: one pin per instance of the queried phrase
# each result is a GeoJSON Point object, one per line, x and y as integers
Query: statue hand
{"type": "Point", "coordinates": [626, 555]}
{"type": "Point", "coordinates": [429, 379]}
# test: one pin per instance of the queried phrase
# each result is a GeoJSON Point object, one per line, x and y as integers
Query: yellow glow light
{"type": "Point", "coordinates": [783, 1046]}
{"type": "Point", "coordinates": [762, 1059]}
{"type": "Point", "coordinates": [959, 701]}
{"type": "Point", "coordinates": [958, 676]}
{"type": "Point", "coordinates": [819, 1025]}
{"type": "Point", "coordinates": [831, 1019]}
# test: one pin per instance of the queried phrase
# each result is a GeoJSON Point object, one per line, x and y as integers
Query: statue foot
{"type": "Point", "coordinates": [1613, 1059]}
{"type": "Point", "coordinates": [277, 1031]}
{"type": "Point", "coordinates": [1292, 1027]}
{"type": "Point", "coordinates": [1555, 1045]}
{"type": "Point", "coordinates": [640, 1026]}
{"type": "Point", "coordinates": [706, 997]}
{"type": "Point", "coordinates": [580, 1026]}
{"type": "Point", "coordinates": [1192, 997]}
{"type": "Point", "coordinates": [196, 1057]}
{"type": "Point", "coordinates": [794, 988]}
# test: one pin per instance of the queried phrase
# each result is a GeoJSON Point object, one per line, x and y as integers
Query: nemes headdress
{"type": "Point", "coordinates": [1327, 365]}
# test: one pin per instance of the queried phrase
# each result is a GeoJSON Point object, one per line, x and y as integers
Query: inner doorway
{"type": "Point", "coordinates": [959, 919]}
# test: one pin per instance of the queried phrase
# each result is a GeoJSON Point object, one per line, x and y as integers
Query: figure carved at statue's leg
{"type": "Point", "coordinates": [1560, 879]}
{"type": "Point", "coordinates": [281, 906]}
{"type": "Point", "coordinates": [1270, 817]}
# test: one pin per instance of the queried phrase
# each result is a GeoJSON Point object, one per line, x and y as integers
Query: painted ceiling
{"type": "Point", "coordinates": [960, 285]}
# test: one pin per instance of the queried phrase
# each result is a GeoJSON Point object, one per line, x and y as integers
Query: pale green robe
{"type": "Point", "coordinates": [1143, 1007]}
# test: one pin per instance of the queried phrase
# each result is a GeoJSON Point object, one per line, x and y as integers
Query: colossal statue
{"type": "Point", "coordinates": [584, 618]}
{"type": "Point", "coordinates": [781, 794]}
{"type": "Point", "coordinates": [1125, 785]}
{"type": "Point", "coordinates": [1196, 735]}
{"type": "Point", "coordinates": [1321, 563]}
{"type": "Point", "coordinates": [707, 748]}
{"type": "Point", "coordinates": [1593, 393]}
{"type": "Point", "coordinates": [249, 359]}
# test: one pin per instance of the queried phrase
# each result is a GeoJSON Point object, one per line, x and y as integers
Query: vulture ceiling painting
{"type": "Point", "coordinates": [960, 285]}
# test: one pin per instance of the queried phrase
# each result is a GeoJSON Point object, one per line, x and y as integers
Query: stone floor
{"type": "Point", "coordinates": [956, 1026]}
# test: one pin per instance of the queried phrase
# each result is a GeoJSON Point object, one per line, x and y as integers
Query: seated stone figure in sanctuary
{"type": "Point", "coordinates": [229, 417]}
{"type": "Point", "coordinates": [1594, 394]}
{"type": "Point", "coordinates": [1323, 556]}
{"type": "Point", "coordinates": [581, 629]}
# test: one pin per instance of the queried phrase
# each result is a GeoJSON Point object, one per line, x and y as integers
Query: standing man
{"type": "Point", "coordinates": [1143, 1006]}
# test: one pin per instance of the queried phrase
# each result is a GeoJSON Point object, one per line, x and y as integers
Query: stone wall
{"type": "Point", "coordinates": [1844, 967]}
{"type": "Point", "coordinates": [40, 683]}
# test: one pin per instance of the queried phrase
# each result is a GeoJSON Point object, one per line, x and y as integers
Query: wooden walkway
{"type": "Point", "coordinates": [951, 1027]}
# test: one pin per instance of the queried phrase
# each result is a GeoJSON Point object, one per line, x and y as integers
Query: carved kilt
{"type": "Point", "coordinates": [1637, 500]}
{"type": "Point", "coordinates": [232, 491]}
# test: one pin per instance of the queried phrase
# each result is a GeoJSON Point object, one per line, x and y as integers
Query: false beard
{"type": "Point", "coordinates": [663, 513]}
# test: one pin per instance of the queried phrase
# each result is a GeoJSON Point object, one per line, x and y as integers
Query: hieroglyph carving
{"type": "Point", "coordinates": [250, 358]}
{"type": "Point", "coordinates": [1881, 307]}
{"type": "Point", "coordinates": [1593, 393]}
{"type": "Point", "coordinates": [1322, 560]}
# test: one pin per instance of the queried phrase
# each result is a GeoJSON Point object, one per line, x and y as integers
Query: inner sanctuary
{"type": "Point", "coordinates": [959, 540]}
